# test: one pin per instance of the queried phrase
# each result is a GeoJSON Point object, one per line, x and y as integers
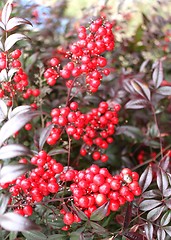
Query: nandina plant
{"type": "Point", "coordinates": [59, 135]}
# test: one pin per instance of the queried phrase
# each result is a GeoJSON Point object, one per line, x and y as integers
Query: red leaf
{"type": "Point", "coordinates": [15, 21]}
{"type": "Point", "coordinates": [133, 236]}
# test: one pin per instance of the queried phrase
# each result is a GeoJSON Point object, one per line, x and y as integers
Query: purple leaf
{"type": "Point", "coordinates": [4, 200]}
{"type": "Point", "coordinates": [167, 192]}
{"type": "Point", "coordinates": [15, 222]}
{"type": "Point", "coordinates": [162, 180]}
{"type": "Point", "coordinates": [57, 151]}
{"type": "Point", "coordinates": [147, 205]}
{"type": "Point", "coordinates": [155, 213]}
{"type": "Point", "coordinates": [14, 150]}
{"type": "Point", "coordinates": [161, 234]}
{"type": "Point", "coordinates": [134, 236]}
{"type": "Point", "coordinates": [145, 89]}
{"type": "Point", "coordinates": [146, 178]}
{"type": "Point", "coordinates": [18, 110]}
{"type": "Point", "coordinates": [143, 65]}
{"type": "Point", "coordinates": [15, 21]}
{"type": "Point", "coordinates": [2, 25]}
{"type": "Point", "coordinates": [10, 172]}
{"type": "Point", "coordinates": [168, 203]}
{"type": "Point", "coordinates": [137, 88]}
{"type": "Point", "coordinates": [3, 110]}
{"type": "Point", "coordinates": [136, 104]}
{"type": "Point", "coordinates": [129, 131]}
{"type": "Point", "coordinates": [6, 12]}
{"type": "Point", "coordinates": [164, 90]}
{"type": "Point", "coordinates": [158, 74]}
{"type": "Point", "coordinates": [168, 230]}
{"type": "Point", "coordinates": [128, 216]}
{"type": "Point", "coordinates": [100, 212]}
{"type": "Point", "coordinates": [165, 220]}
{"type": "Point", "coordinates": [12, 39]}
{"type": "Point", "coordinates": [149, 230]}
{"type": "Point", "coordinates": [151, 193]}
{"type": "Point", "coordinates": [164, 162]}
{"type": "Point", "coordinates": [44, 135]}
{"type": "Point", "coordinates": [1, 45]}
{"type": "Point", "coordinates": [15, 124]}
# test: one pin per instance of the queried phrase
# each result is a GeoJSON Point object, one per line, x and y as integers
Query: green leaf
{"type": "Point", "coordinates": [80, 213]}
{"type": "Point", "coordinates": [34, 235]}
{"type": "Point", "coordinates": [147, 205]}
{"type": "Point", "coordinates": [76, 236]}
{"type": "Point", "coordinates": [100, 212]}
{"type": "Point", "coordinates": [97, 228]}
{"type": "Point", "coordinates": [146, 178]}
{"type": "Point", "coordinates": [57, 236]}
{"type": "Point", "coordinates": [165, 220]}
{"type": "Point", "coordinates": [13, 235]}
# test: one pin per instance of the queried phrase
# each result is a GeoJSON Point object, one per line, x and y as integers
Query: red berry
{"type": "Point", "coordinates": [68, 218]}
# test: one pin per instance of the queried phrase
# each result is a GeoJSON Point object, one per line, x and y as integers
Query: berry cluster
{"type": "Point", "coordinates": [90, 188]}
{"type": "Point", "coordinates": [85, 56]}
{"type": "Point", "coordinates": [39, 182]}
{"type": "Point", "coordinates": [18, 79]}
{"type": "Point", "coordinates": [95, 186]}
{"type": "Point", "coordinates": [95, 128]}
